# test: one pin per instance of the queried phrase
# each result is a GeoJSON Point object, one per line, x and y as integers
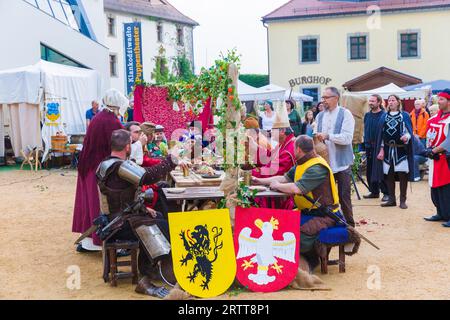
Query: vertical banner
{"type": "Point", "coordinates": [133, 54]}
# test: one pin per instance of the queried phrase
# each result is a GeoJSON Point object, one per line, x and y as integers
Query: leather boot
{"type": "Point", "coordinates": [390, 183]}
{"type": "Point", "coordinates": [403, 190]}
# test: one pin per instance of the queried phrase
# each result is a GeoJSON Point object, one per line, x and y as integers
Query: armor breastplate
{"type": "Point", "coordinates": [113, 200]}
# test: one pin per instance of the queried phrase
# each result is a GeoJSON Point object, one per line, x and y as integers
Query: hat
{"type": "Point", "coordinates": [113, 98]}
{"type": "Point", "coordinates": [159, 128]}
{"type": "Point", "coordinates": [148, 128]}
{"type": "Point", "coordinates": [445, 94]}
{"type": "Point", "coordinates": [281, 117]}
{"type": "Point", "coordinates": [270, 103]}
{"type": "Point", "coordinates": [251, 123]}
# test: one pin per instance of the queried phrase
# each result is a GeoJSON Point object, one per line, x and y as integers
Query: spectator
{"type": "Point", "coordinates": [335, 127]}
{"type": "Point", "coordinates": [371, 121]}
{"type": "Point", "coordinates": [294, 117]}
{"type": "Point", "coordinates": [309, 125]}
{"type": "Point", "coordinates": [419, 118]}
{"type": "Point", "coordinates": [91, 113]}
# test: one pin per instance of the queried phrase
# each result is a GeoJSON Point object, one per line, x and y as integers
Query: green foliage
{"type": "Point", "coordinates": [255, 80]}
{"type": "Point", "coordinates": [161, 74]}
{"type": "Point", "coordinates": [245, 198]}
{"type": "Point", "coordinates": [183, 68]}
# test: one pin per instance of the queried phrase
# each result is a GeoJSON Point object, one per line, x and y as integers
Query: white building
{"type": "Point", "coordinates": [162, 26]}
{"type": "Point", "coordinates": [69, 32]}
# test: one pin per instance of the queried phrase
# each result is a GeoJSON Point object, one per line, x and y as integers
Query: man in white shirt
{"type": "Point", "coordinates": [335, 127]}
{"type": "Point", "coordinates": [139, 141]}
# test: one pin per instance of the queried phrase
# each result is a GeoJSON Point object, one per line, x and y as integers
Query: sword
{"type": "Point", "coordinates": [87, 233]}
{"type": "Point", "coordinates": [338, 219]}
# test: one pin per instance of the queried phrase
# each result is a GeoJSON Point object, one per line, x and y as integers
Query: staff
{"type": "Point", "coordinates": [338, 219]}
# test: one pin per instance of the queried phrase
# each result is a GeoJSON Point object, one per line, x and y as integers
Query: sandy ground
{"type": "Point", "coordinates": [37, 251]}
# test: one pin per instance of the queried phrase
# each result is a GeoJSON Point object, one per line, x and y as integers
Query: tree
{"type": "Point", "coordinates": [255, 80]}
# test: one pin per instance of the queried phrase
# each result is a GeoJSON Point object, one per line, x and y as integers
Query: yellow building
{"type": "Point", "coordinates": [358, 44]}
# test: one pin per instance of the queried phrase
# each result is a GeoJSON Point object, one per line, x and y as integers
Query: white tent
{"type": "Point", "coordinates": [26, 92]}
{"type": "Point", "coordinates": [297, 96]}
{"type": "Point", "coordinates": [389, 89]}
{"type": "Point", "coordinates": [269, 92]}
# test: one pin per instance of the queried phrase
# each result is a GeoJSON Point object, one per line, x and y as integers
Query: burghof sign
{"type": "Point", "coordinates": [203, 254]}
{"type": "Point", "coordinates": [309, 80]}
{"type": "Point", "coordinates": [267, 242]}
{"type": "Point", "coordinates": [133, 54]}
{"type": "Point", "coordinates": [52, 113]}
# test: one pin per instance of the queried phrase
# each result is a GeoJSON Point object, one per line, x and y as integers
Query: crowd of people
{"type": "Point", "coordinates": [286, 159]}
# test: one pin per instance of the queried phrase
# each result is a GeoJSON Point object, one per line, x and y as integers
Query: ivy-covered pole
{"type": "Point", "coordinates": [233, 120]}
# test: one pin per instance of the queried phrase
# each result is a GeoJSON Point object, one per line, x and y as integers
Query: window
{"type": "Point", "coordinates": [312, 92]}
{"type": "Point", "coordinates": [113, 65]}
{"type": "Point", "coordinates": [358, 47]}
{"type": "Point", "coordinates": [159, 32]}
{"type": "Point", "coordinates": [409, 45]}
{"type": "Point", "coordinates": [69, 12]}
{"type": "Point", "coordinates": [48, 54]}
{"type": "Point", "coordinates": [309, 49]}
{"type": "Point", "coordinates": [111, 26]}
{"type": "Point", "coordinates": [180, 36]}
{"type": "Point", "coordinates": [162, 65]}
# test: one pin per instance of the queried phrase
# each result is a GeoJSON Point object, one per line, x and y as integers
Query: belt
{"type": "Point", "coordinates": [397, 145]}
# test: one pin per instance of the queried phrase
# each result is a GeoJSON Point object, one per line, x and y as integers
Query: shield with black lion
{"type": "Point", "coordinates": [204, 260]}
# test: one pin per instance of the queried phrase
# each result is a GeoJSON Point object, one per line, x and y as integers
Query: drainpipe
{"type": "Point", "coordinates": [268, 49]}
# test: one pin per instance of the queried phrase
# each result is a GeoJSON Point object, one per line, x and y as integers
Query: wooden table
{"type": "Point", "coordinates": [211, 193]}
{"type": "Point", "coordinates": [195, 180]}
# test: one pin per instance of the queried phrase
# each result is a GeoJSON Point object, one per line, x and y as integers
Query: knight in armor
{"type": "Point", "coordinates": [438, 143]}
{"type": "Point", "coordinates": [120, 182]}
{"type": "Point", "coordinates": [395, 151]}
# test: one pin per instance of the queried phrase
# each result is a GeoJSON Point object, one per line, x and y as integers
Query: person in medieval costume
{"type": "Point", "coordinates": [335, 128]}
{"type": "Point", "coordinates": [119, 181]}
{"type": "Point", "coordinates": [438, 142]}
{"type": "Point", "coordinates": [96, 146]}
{"type": "Point", "coordinates": [282, 157]}
{"type": "Point", "coordinates": [314, 177]}
{"type": "Point", "coordinates": [395, 151]}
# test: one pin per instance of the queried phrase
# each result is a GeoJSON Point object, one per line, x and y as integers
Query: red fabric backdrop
{"type": "Point", "coordinates": [150, 104]}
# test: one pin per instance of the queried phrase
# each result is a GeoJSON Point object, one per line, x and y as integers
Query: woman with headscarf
{"type": "Point", "coordinates": [96, 147]}
{"type": "Point", "coordinates": [395, 151]}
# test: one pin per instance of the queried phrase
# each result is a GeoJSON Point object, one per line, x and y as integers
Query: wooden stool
{"type": "Point", "coordinates": [111, 251]}
{"type": "Point", "coordinates": [325, 262]}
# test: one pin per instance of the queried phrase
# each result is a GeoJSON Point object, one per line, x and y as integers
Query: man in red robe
{"type": "Point", "coordinates": [282, 157]}
{"type": "Point", "coordinates": [96, 147]}
{"type": "Point", "coordinates": [438, 142]}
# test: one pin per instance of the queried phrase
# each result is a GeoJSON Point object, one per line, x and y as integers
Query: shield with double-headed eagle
{"type": "Point", "coordinates": [267, 246]}
{"type": "Point", "coordinates": [204, 260]}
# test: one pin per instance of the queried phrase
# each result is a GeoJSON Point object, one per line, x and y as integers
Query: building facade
{"type": "Point", "coordinates": [359, 45]}
{"type": "Point", "coordinates": [69, 32]}
{"type": "Point", "coordinates": [164, 32]}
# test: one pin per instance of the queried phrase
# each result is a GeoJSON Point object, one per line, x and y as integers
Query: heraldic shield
{"type": "Point", "coordinates": [267, 246]}
{"type": "Point", "coordinates": [203, 254]}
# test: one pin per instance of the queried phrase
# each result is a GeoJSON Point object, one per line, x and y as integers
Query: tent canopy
{"type": "Point", "coordinates": [436, 86]}
{"type": "Point", "coordinates": [73, 88]}
{"type": "Point", "coordinates": [20, 85]}
{"type": "Point", "coordinates": [389, 89]}
{"type": "Point", "coordinates": [269, 92]}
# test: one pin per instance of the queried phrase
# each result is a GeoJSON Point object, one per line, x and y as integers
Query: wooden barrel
{"type": "Point", "coordinates": [59, 142]}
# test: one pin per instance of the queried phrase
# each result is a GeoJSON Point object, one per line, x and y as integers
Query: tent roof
{"type": "Point", "coordinates": [269, 92]}
{"type": "Point", "coordinates": [20, 85]}
{"type": "Point", "coordinates": [436, 86]}
{"type": "Point", "coordinates": [389, 89]}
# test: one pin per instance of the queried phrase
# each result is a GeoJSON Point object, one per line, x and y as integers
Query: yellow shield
{"type": "Point", "coordinates": [203, 255]}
